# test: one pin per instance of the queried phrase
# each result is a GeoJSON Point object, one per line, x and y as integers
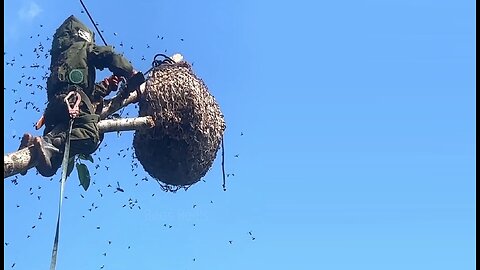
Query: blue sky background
{"type": "Point", "coordinates": [358, 149]}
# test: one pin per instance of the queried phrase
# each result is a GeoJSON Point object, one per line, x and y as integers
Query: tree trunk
{"type": "Point", "coordinates": [24, 159]}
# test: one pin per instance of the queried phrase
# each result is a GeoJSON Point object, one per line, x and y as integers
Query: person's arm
{"type": "Point", "coordinates": [105, 57]}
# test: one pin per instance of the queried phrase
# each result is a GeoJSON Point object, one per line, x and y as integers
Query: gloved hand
{"type": "Point", "coordinates": [111, 83]}
{"type": "Point", "coordinates": [133, 83]}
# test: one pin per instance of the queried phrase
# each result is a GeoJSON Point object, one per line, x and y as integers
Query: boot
{"type": "Point", "coordinates": [46, 153]}
{"type": "Point", "coordinates": [27, 140]}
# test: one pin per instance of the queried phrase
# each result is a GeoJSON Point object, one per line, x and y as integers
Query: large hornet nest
{"type": "Point", "coordinates": [189, 125]}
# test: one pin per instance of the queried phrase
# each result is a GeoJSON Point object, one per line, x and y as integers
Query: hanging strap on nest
{"type": "Point", "coordinates": [156, 63]}
{"type": "Point", "coordinates": [223, 166]}
{"type": "Point", "coordinates": [74, 112]}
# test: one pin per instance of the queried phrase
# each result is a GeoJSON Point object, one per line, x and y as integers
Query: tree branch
{"type": "Point", "coordinates": [24, 159]}
{"type": "Point", "coordinates": [117, 102]}
{"type": "Point", "coordinates": [125, 124]}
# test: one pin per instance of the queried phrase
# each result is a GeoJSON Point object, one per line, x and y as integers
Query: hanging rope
{"type": "Point", "coordinates": [93, 22]}
{"type": "Point", "coordinates": [223, 166]}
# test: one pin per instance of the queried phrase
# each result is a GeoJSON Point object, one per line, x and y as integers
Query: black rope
{"type": "Point", "coordinates": [156, 63]}
{"type": "Point", "coordinates": [223, 166]}
{"type": "Point", "coordinates": [94, 24]}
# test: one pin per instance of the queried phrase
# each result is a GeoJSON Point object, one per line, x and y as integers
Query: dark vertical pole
{"type": "Point", "coordinates": [223, 166]}
{"type": "Point", "coordinates": [94, 24]}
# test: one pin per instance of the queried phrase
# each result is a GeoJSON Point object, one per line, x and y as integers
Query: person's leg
{"type": "Point", "coordinates": [49, 157]}
{"type": "Point", "coordinates": [84, 139]}
{"type": "Point", "coordinates": [27, 140]}
{"type": "Point", "coordinates": [48, 150]}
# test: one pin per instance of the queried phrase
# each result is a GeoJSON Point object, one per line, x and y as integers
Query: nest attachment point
{"type": "Point", "coordinates": [188, 130]}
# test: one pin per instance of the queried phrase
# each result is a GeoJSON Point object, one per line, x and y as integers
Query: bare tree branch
{"type": "Point", "coordinates": [125, 124]}
{"type": "Point", "coordinates": [16, 162]}
{"type": "Point", "coordinates": [117, 102]}
{"type": "Point", "coordinates": [25, 159]}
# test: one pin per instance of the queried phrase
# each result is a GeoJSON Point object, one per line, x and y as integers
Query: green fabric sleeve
{"type": "Point", "coordinates": [105, 57]}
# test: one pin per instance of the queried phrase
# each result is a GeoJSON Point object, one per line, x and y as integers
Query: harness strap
{"type": "Point", "coordinates": [66, 154]}
{"type": "Point", "coordinates": [85, 99]}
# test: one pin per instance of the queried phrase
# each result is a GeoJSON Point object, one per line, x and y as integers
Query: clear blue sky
{"type": "Point", "coordinates": [358, 149]}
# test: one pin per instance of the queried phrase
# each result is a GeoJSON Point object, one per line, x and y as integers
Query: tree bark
{"type": "Point", "coordinates": [24, 159]}
{"type": "Point", "coordinates": [125, 124]}
{"type": "Point", "coordinates": [117, 102]}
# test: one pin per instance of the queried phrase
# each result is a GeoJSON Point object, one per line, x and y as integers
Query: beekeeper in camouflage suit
{"type": "Point", "coordinates": [74, 60]}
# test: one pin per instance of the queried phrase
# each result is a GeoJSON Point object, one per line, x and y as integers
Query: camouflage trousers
{"type": "Point", "coordinates": [84, 138]}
